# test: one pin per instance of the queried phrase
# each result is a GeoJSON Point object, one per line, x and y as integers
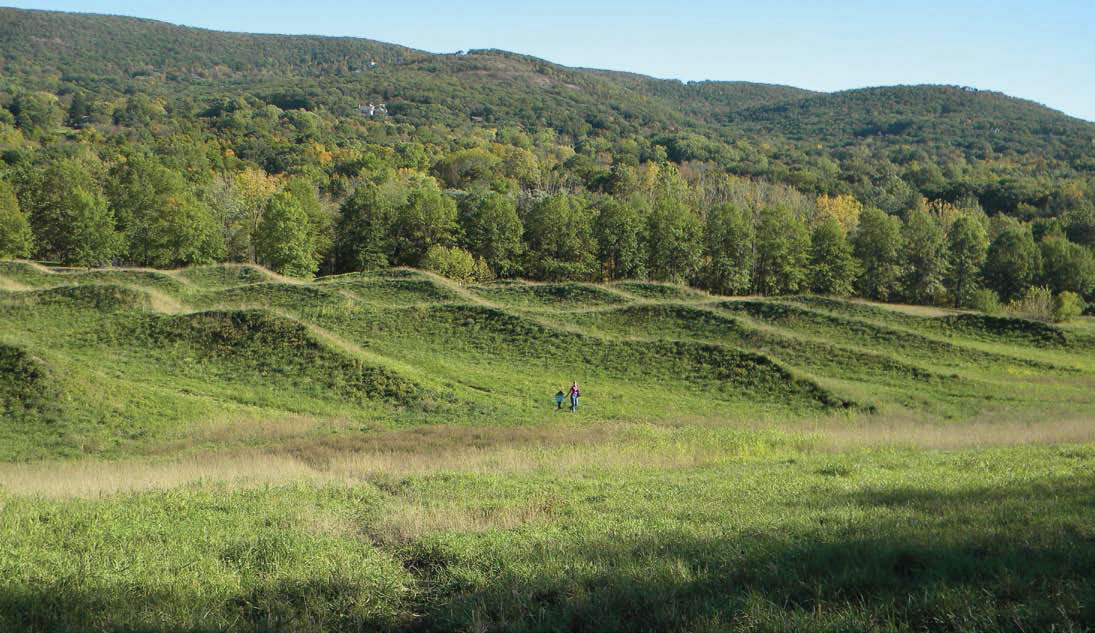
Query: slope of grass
{"type": "Point", "coordinates": [557, 295]}
{"type": "Point", "coordinates": [879, 334]}
{"type": "Point", "coordinates": [219, 449]}
{"type": "Point", "coordinates": [402, 346]}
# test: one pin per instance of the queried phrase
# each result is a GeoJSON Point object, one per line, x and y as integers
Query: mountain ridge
{"type": "Point", "coordinates": [180, 47]}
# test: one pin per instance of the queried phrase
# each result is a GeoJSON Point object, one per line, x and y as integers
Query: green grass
{"type": "Point", "coordinates": [773, 539]}
{"type": "Point", "coordinates": [219, 449]}
{"type": "Point", "coordinates": [547, 295]}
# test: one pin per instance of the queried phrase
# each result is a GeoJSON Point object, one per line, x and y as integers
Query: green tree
{"type": "Point", "coordinates": [833, 268]}
{"type": "Point", "coordinates": [284, 239]}
{"type": "Point", "coordinates": [78, 108]}
{"type": "Point", "coordinates": [456, 263]}
{"type": "Point", "coordinates": [728, 249]}
{"type": "Point", "coordinates": [16, 238]}
{"type": "Point", "coordinates": [967, 245]}
{"type": "Point", "coordinates": [467, 167]}
{"type": "Point", "coordinates": [924, 258]}
{"type": "Point", "coordinates": [1066, 305]}
{"type": "Point", "coordinates": [492, 230]}
{"type": "Point", "coordinates": [1013, 263]}
{"type": "Point", "coordinates": [428, 217]}
{"type": "Point", "coordinates": [92, 240]}
{"type": "Point", "coordinates": [320, 220]}
{"type": "Point", "coordinates": [70, 217]}
{"type": "Point", "coordinates": [877, 246]}
{"type": "Point", "coordinates": [250, 190]}
{"type": "Point", "coordinates": [363, 233]}
{"type": "Point", "coordinates": [674, 246]}
{"type": "Point", "coordinates": [180, 232]}
{"type": "Point", "coordinates": [620, 229]}
{"type": "Point", "coordinates": [559, 233]}
{"type": "Point", "coordinates": [1067, 266]}
{"type": "Point", "coordinates": [164, 223]}
{"type": "Point", "coordinates": [36, 112]}
{"type": "Point", "coordinates": [782, 251]}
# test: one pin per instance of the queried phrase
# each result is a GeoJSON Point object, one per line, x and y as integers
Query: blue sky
{"type": "Point", "coordinates": [1042, 51]}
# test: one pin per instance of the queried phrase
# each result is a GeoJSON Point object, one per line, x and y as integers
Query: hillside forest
{"type": "Point", "coordinates": [315, 156]}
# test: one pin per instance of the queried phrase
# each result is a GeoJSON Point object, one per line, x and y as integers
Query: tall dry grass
{"type": "Point", "coordinates": [8, 284]}
{"type": "Point", "coordinates": [283, 453]}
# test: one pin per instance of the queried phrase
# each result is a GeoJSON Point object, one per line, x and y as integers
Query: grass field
{"type": "Point", "coordinates": [223, 449]}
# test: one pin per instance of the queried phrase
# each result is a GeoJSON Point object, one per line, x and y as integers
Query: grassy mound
{"type": "Point", "coordinates": [558, 296]}
{"type": "Point", "coordinates": [1003, 330]}
{"type": "Point", "coordinates": [221, 276]}
{"type": "Point", "coordinates": [26, 273]}
{"type": "Point", "coordinates": [29, 390]}
{"type": "Point", "coordinates": [662, 291]}
{"type": "Point", "coordinates": [882, 338]}
{"type": "Point", "coordinates": [150, 279]}
{"type": "Point", "coordinates": [255, 343]}
{"type": "Point", "coordinates": [404, 347]}
{"type": "Point", "coordinates": [380, 273]}
{"type": "Point", "coordinates": [528, 347]}
{"type": "Point", "coordinates": [406, 290]}
{"type": "Point", "coordinates": [690, 323]}
{"type": "Point", "coordinates": [100, 297]}
{"type": "Point", "coordinates": [270, 294]}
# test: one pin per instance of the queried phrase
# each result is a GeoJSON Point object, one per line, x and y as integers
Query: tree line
{"type": "Point", "coordinates": [461, 216]}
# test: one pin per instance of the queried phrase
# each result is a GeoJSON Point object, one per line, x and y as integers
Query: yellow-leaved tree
{"type": "Point", "coordinates": [845, 209]}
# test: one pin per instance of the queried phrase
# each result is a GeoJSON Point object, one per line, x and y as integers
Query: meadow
{"type": "Point", "coordinates": [223, 449]}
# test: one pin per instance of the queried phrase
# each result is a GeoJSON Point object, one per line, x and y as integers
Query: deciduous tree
{"type": "Point", "coordinates": [728, 249]}
{"type": "Point", "coordinates": [877, 246]}
{"type": "Point", "coordinates": [833, 268]}
{"type": "Point", "coordinates": [967, 245]}
{"type": "Point", "coordinates": [782, 251]}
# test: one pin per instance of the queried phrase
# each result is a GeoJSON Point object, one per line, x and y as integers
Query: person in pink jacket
{"type": "Point", "coordinates": [574, 393]}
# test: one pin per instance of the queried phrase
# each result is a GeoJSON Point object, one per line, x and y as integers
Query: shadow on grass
{"type": "Point", "coordinates": [306, 606]}
{"type": "Point", "coordinates": [986, 560]}
{"type": "Point", "coordinates": [1018, 558]}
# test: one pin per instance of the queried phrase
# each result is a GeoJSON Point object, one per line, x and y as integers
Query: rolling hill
{"type": "Point", "coordinates": [405, 347]}
{"type": "Point", "coordinates": [111, 55]}
{"type": "Point", "coordinates": [222, 448]}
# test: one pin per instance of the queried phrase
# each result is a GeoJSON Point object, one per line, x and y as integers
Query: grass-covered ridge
{"type": "Point", "coordinates": [401, 346]}
{"type": "Point", "coordinates": [219, 448]}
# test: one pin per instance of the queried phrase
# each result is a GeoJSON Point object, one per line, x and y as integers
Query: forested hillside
{"type": "Point", "coordinates": [130, 141]}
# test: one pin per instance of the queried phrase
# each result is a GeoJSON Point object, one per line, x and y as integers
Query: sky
{"type": "Point", "coordinates": [1043, 51]}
